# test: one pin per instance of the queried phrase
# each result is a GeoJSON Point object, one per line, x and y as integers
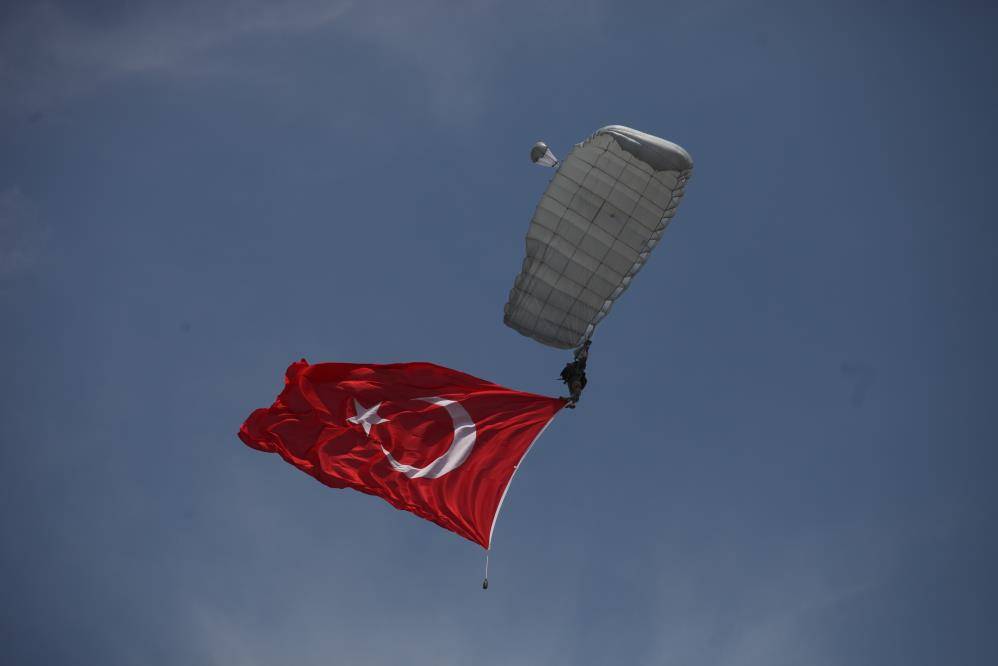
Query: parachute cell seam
{"type": "Point", "coordinates": [602, 259]}
{"type": "Point", "coordinates": [547, 301]}
{"type": "Point", "coordinates": [545, 252]}
{"type": "Point", "coordinates": [608, 303]}
{"type": "Point", "coordinates": [579, 188]}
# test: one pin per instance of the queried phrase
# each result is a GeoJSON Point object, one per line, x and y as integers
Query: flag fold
{"type": "Point", "coordinates": [427, 439]}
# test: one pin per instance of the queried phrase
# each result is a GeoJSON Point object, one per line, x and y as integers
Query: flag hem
{"type": "Point", "coordinates": [515, 470]}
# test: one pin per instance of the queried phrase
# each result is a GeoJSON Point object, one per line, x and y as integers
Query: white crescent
{"type": "Point", "coordinates": [464, 441]}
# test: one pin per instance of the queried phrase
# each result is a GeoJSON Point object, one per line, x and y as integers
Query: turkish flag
{"type": "Point", "coordinates": [430, 440]}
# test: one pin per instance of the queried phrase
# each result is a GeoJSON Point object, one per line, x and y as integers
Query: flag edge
{"type": "Point", "coordinates": [519, 462]}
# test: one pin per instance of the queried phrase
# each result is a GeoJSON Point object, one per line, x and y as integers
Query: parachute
{"type": "Point", "coordinates": [602, 214]}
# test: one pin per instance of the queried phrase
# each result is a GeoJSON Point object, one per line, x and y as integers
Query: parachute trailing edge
{"type": "Point", "coordinates": [594, 228]}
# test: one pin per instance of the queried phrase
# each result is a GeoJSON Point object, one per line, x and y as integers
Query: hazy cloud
{"type": "Point", "coordinates": [752, 610]}
{"type": "Point", "coordinates": [22, 233]}
{"type": "Point", "coordinates": [458, 47]}
{"type": "Point", "coordinates": [52, 50]}
{"type": "Point", "coordinates": [861, 376]}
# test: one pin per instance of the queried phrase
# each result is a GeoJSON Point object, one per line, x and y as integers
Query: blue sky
{"type": "Point", "coordinates": [786, 451]}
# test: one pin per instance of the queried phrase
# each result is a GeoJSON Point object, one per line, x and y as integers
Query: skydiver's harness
{"type": "Point", "coordinates": [574, 374]}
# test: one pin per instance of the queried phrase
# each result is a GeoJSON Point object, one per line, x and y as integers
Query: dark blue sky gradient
{"type": "Point", "coordinates": [786, 454]}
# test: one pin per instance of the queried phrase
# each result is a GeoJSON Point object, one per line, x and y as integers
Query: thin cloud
{"type": "Point", "coordinates": [455, 47]}
{"type": "Point", "coordinates": [751, 610]}
{"type": "Point", "coordinates": [861, 376]}
{"type": "Point", "coordinates": [51, 51]}
{"type": "Point", "coordinates": [23, 235]}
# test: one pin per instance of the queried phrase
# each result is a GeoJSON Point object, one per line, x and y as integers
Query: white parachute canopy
{"type": "Point", "coordinates": [594, 228]}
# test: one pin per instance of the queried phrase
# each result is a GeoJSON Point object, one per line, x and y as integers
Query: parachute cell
{"type": "Point", "coordinates": [594, 228]}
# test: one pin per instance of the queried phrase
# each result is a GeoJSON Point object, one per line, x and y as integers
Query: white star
{"type": "Point", "coordinates": [366, 416]}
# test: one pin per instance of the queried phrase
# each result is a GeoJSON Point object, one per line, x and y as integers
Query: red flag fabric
{"type": "Point", "coordinates": [430, 440]}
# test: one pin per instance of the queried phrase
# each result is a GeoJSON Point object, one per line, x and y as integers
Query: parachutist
{"type": "Point", "coordinates": [485, 584]}
{"type": "Point", "coordinates": [574, 374]}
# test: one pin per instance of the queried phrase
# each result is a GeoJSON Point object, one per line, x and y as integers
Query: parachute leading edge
{"type": "Point", "coordinates": [603, 212]}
